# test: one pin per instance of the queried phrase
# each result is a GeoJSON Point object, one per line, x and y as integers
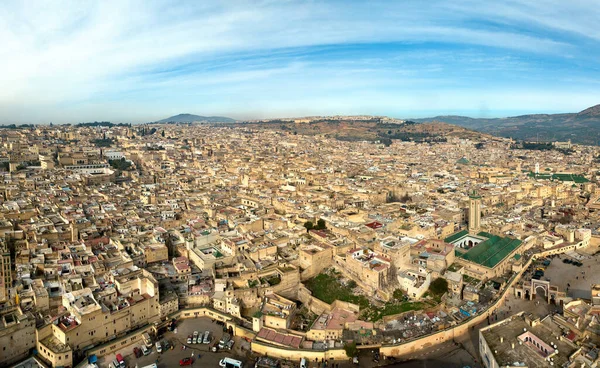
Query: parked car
{"type": "Point", "coordinates": [224, 340]}
{"type": "Point", "coordinates": [145, 350]}
{"type": "Point", "coordinates": [190, 339]}
{"type": "Point", "coordinates": [186, 361]}
{"type": "Point", "coordinates": [195, 338]}
{"type": "Point", "coordinates": [137, 352]}
{"type": "Point", "coordinates": [206, 338]}
{"type": "Point", "coordinates": [158, 347]}
{"type": "Point", "coordinates": [229, 344]}
{"type": "Point", "coordinates": [121, 361]}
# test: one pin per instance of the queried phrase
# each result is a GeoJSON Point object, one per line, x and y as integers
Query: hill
{"type": "Point", "coordinates": [582, 127]}
{"type": "Point", "coordinates": [365, 130]}
{"type": "Point", "coordinates": [190, 118]}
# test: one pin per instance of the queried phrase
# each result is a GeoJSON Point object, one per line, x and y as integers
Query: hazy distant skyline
{"type": "Point", "coordinates": [127, 61]}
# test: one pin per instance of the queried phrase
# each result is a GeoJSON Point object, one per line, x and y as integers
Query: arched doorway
{"type": "Point", "coordinates": [541, 293]}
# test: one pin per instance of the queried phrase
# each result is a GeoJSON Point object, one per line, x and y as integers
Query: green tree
{"type": "Point", "coordinates": [163, 133]}
{"type": "Point", "coordinates": [438, 286]}
{"type": "Point", "coordinates": [351, 350]}
{"type": "Point", "coordinates": [308, 225]}
{"type": "Point", "coordinates": [352, 284]}
{"type": "Point", "coordinates": [398, 294]}
{"type": "Point", "coordinates": [321, 224]}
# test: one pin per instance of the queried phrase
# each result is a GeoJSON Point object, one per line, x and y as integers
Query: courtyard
{"type": "Point", "coordinates": [576, 281]}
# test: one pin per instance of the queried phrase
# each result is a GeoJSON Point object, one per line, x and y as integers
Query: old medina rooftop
{"type": "Point", "coordinates": [334, 320]}
{"type": "Point", "coordinates": [522, 340]}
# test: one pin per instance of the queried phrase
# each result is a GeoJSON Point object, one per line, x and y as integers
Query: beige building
{"type": "Point", "coordinates": [17, 335]}
{"type": "Point", "coordinates": [130, 303]}
{"type": "Point", "coordinates": [367, 268]}
{"type": "Point", "coordinates": [155, 252]}
{"type": "Point", "coordinates": [330, 325]}
{"type": "Point", "coordinates": [314, 258]}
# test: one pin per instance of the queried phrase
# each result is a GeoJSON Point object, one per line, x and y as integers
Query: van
{"type": "Point", "coordinates": [303, 363]}
{"type": "Point", "coordinates": [230, 363]}
{"type": "Point", "coordinates": [147, 340]}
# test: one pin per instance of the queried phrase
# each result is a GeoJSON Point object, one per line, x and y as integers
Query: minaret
{"type": "Point", "coordinates": [474, 212]}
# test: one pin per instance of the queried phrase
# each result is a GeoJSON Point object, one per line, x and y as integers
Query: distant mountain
{"type": "Point", "coordinates": [190, 118]}
{"type": "Point", "coordinates": [582, 127]}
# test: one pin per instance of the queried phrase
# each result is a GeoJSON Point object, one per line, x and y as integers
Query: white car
{"type": "Point", "coordinates": [158, 347]}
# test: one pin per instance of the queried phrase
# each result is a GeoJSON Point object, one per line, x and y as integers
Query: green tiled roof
{"type": "Point", "coordinates": [463, 161]}
{"type": "Point", "coordinates": [456, 236]}
{"type": "Point", "coordinates": [490, 252]}
{"type": "Point", "coordinates": [562, 177]}
{"type": "Point", "coordinates": [485, 234]}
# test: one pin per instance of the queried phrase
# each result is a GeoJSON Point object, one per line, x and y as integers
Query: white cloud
{"type": "Point", "coordinates": [56, 53]}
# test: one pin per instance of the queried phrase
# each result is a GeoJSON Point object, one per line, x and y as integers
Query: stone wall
{"type": "Point", "coordinates": [259, 347]}
{"type": "Point", "coordinates": [318, 306]}
{"type": "Point", "coordinates": [313, 304]}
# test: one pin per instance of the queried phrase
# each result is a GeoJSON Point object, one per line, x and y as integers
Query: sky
{"type": "Point", "coordinates": [141, 61]}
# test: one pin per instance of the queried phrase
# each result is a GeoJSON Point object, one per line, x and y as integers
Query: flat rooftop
{"type": "Point", "coordinates": [335, 320]}
{"type": "Point", "coordinates": [534, 354]}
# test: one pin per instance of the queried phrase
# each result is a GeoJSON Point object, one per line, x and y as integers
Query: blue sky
{"type": "Point", "coordinates": [139, 61]}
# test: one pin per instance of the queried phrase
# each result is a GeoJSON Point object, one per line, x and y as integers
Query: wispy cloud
{"type": "Point", "coordinates": [78, 60]}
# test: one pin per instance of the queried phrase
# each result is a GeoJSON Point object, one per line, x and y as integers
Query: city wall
{"type": "Point", "coordinates": [262, 348]}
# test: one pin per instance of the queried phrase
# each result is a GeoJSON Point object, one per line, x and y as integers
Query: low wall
{"type": "Point", "coordinates": [244, 332]}
{"type": "Point", "coordinates": [259, 347]}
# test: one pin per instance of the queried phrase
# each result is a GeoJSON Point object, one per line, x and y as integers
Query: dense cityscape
{"type": "Point", "coordinates": [299, 184]}
{"type": "Point", "coordinates": [169, 243]}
